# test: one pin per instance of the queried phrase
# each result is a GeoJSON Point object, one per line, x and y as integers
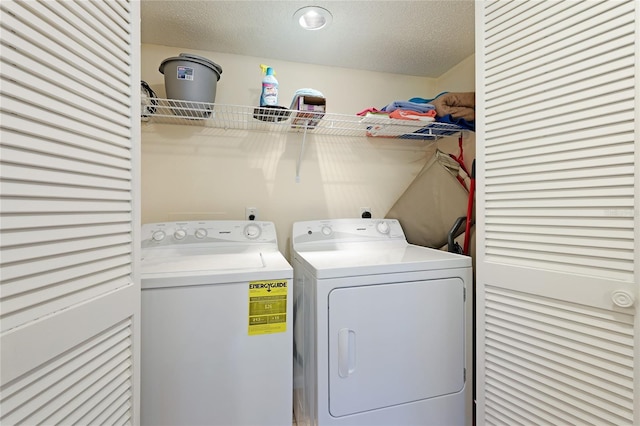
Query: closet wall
{"type": "Point", "coordinates": [192, 172]}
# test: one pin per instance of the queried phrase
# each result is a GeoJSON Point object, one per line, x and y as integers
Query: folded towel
{"type": "Point", "coordinates": [458, 105]}
{"type": "Point", "coordinates": [426, 101]}
{"type": "Point", "coordinates": [308, 92]}
{"type": "Point", "coordinates": [461, 122]}
{"type": "Point", "coordinates": [406, 105]}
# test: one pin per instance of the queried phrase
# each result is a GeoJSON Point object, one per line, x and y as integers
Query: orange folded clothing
{"type": "Point", "coordinates": [403, 114]}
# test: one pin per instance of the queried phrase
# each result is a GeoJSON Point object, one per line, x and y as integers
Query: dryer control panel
{"type": "Point", "coordinates": [347, 230]}
{"type": "Point", "coordinates": [208, 232]}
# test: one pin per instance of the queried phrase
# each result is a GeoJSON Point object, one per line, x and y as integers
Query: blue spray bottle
{"type": "Point", "coordinates": [269, 96]}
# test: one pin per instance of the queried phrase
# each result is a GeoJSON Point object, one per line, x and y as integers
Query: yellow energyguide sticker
{"type": "Point", "coordinates": [267, 307]}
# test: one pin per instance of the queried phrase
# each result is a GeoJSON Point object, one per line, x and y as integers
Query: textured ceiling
{"type": "Point", "coordinates": [421, 37]}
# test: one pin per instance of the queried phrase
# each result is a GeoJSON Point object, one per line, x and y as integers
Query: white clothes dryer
{"type": "Point", "coordinates": [382, 328]}
{"type": "Point", "coordinates": [216, 325]}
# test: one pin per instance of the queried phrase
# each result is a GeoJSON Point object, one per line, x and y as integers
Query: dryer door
{"type": "Point", "coordinates": [392, 344]}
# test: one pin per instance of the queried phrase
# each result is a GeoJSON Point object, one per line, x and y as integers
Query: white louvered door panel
{"type": "Point", "coordinates": [559, 200]}
{"type": "Point", "coordinates": [69, 158]}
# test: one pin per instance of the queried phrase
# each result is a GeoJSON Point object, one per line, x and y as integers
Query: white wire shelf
{"type": "Point", "coordinates": [285, 120]}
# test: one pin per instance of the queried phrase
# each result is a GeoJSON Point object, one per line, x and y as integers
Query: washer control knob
{"type": "Point", "coordinates": [252, 231]}
{"type": "Point", "coordinates": [326, 230]}
{"type": "Point", "coordinates": [179, 234]}
{"type": "Point", "coordinates": [158, 236]}
{"type": "Point", "coordinates": [201, 233]}
{"type": "Point", "coordinates": [383, 227]}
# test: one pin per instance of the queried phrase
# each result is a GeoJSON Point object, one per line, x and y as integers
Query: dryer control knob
{"type": "Point", "coordinates": [252, 231]}
{"type": "Point", "coordinates": [158, 236]}
{"type": "Point", "coordinates": [201, 233]}
{"type": "Point", "coordinates": [326, 230]}
{"type": "Point", "coordinates": [383, 227]}
{"type": "Point", "coordinates": [179, 234]}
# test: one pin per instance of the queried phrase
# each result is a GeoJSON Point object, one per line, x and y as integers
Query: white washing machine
{"type": "Point", "coordinates": [382, 328]}
{"type": "Point", "coordinates": [216, 325]}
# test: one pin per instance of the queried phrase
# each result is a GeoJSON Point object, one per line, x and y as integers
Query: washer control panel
{"type": "Point", "coordinates": [211, 231]}
{"type": "Point", "coordinates": [347, 230]}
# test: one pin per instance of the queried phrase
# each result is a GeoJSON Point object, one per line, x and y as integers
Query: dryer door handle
{"type": "Point", "coordinates": [346, 352]}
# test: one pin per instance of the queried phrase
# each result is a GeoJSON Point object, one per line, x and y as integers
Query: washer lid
{"type": "Point", "coordinates": [167, 267]}
{"type": "Point", "coordinates": [170, 261]}
{"type": "Point", "coordinates": [354, 259]}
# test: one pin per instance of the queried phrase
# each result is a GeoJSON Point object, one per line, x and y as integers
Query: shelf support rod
{"type": "Point", "coordinates": [304, 138]}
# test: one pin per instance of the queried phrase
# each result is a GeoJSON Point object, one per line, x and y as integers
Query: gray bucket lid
{"type": "Point", "coordinates": [194, 58]}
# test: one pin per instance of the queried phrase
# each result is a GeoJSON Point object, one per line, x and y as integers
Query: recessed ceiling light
{"type": "Point", "coordinates": [313, 17]}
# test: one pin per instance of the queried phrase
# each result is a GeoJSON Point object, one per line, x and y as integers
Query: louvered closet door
{"type": "Point", "coordinates": [558, 201]}
{"type": "Point", "coordinates": [69, 296]}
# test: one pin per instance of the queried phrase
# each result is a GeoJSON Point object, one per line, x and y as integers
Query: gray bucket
{"type": "Point", "coordinates": [193, 79]}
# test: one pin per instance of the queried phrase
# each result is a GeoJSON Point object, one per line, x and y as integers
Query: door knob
{"type": "Point", "coordinates": [623, 299]}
